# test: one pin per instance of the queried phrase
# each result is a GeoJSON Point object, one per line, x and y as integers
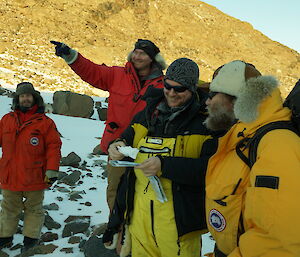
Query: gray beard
{"type": "Point", "coordinates": [219, 119]}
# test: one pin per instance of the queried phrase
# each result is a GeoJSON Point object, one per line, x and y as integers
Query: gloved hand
{"type": "Point", "coordinates": [62, 50]}
{"type": "Point", "coordinates": [50, 177]}
{"type": "Point", "coordinates": [110, 238]}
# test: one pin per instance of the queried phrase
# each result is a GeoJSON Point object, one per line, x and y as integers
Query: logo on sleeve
{"type": "Point", "coordinates": [217, 220]}
{"type": "Point", "coordinates": [34, 141]}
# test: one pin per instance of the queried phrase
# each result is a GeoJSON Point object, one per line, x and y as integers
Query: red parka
{"type": "Point", "coordinates": [28, 150]}
{"type": "Point", "coordinates": [125, 92]}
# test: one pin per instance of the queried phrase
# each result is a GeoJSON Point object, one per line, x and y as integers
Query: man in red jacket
{"type": "Point", "coordinates": [126, 86]}
{"type": "Point", "coordinates": [30, 160]}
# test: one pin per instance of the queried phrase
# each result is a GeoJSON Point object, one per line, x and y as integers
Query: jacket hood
{"type": "Point", "coordinates": [269, 110]}
{"type": "Point", "coordinates": [159, 60]}
{"type": "Point", "coordinates": [251, 96]}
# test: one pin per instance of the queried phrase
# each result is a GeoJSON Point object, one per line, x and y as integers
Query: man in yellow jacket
{"type": "Point", "coordinates": [252, 212]}
{"type": "Point", "coordinates": [174, 146]}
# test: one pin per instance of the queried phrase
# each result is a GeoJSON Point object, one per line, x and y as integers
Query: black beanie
{"type": "Point", "coordinates": [148, 47]}
{"type": "Point", "coordinates": [184, 71]}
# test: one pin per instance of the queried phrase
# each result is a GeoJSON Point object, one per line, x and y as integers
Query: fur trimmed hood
{"type": "Point", "coordinates": [158, 59]}
{"type": "Point", "coordinates": [252, 95]}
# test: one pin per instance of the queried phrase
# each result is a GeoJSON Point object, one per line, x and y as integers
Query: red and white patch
{"type": "Point", "coordinates": [217, 220]}
{"type": "Point", "coordinates": [34, 141]}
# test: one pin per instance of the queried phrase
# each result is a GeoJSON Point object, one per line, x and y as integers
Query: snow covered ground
{"type": "Point", "coordinates": [80, 136]}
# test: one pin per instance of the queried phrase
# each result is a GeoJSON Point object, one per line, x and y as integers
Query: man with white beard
{"type": "Point", "coordinates": [250, 208]}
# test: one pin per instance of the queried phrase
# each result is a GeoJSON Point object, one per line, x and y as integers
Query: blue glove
{"type": "Point", "coordinates": [62, 50]}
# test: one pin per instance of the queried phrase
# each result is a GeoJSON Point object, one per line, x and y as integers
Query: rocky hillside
{"type": "Point", "coordinates": [105, 31]}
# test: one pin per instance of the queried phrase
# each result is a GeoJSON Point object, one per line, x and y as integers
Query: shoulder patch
{"type": "Point", "coordinates": [267, 181]}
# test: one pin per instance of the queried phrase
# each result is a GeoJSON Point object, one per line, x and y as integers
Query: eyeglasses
{"type": "Point", "coordinates": [211, 94]}
{"type": "Point", "coordinates": [178, 89]}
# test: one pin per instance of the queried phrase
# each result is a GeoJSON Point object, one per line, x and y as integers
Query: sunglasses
{"type": "Point", "coordinates": [178, 89]}
{"type": "Point", "coordinates": [211, 94]}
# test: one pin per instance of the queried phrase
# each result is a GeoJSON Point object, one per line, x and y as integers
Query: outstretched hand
{"type": "Point", "coordinates": [61, 48]}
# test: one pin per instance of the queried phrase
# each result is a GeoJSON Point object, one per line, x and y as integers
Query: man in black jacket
{"type": "Point", "coordinates": [174, 147]}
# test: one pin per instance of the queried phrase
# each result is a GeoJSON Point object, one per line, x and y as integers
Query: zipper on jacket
{"type": "Point", "coordinates": [221, 202]}
{"type": "Point", "coordinates": [146, 188]}
{"type": "Point", "coordinates": [178, 244]}
{"type": "Point", "coordinates": [126, 221]}
{"type": "Point", "coordinates": [152, 219]}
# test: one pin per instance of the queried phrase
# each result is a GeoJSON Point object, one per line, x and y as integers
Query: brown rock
{"type": "Point", "coordinates": [67, 250]}
{"type": "Point", "coordinates": [49, 236]}
{"type": "Point", "coordinates": [74, 240]}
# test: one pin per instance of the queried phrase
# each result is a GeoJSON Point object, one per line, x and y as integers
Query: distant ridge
{"type": "Point", "coordinates": [105, 31]}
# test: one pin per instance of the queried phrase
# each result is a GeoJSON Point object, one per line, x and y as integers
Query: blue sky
{"type": "Point", "coordinates": [277, 19]}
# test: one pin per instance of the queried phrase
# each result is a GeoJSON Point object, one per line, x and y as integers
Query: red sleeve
{"type": "Point", "coordinates": [53, 145]}
{"type": "Point", "coordinates": [1, 133]}
{"type": "Point", "coordinates": [99, 76]}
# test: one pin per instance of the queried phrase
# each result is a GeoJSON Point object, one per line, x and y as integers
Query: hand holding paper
{"type": "Point", "coordinates": [128, 151]}
{"type": "Point", "coordinates": [113, 150]}
{"type": "Point", "coordinates": [151, 166]}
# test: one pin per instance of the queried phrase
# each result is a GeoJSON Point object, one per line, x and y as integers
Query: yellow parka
{"type": "Point", "coordinates": [255, 212]}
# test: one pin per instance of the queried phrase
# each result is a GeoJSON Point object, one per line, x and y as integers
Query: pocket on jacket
{"type": "Point", "coordinates": [260, 206]}
{"type": "Point", "coordinates": [122, 99]}
{"type": "Point", "coordinates": [3, 171]}
{"type": "Point", "coordinates": [34, 173]}
{"type": "Point", "coordinates": [8, 142]}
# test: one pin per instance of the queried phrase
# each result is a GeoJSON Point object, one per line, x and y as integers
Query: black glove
{"type": "Point", "coordinates": [51, 181]}
{"type": "Point", "coordinates": [110, 236]}
{"type": "Point", "coordinates": [61, 48]}
{"type": "Point", "coordinates": [64, 51]}
{"type": "Point", "coordinates": [50, 177]}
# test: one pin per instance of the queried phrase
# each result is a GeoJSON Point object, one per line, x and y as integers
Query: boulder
{"type": "Point", "coordinates": [51, 207]}
{"type": "Point", "coordinates": [50, 223]}
{"type": "Point", "coordinates": [49, 237]}
{"type": "Point", "coordinates": [74, 240]}
{"type": "Point", "coordinates": [3, 254]}
{"type": "Point", "coordinates": [75, 225]}
{"type": "Point", "coordinates": [72, 178]}
{"type": "Point", "coordinates": [73, 104]}
{"type": "Point", "coordinates": [95, 248]}
{"type": "Point", "coordinates": [99, 229]}
{"type": "Point", "coordinates": [102, 110]}
{"type": "Point", "coordinates": [72, 159]}
{"type": "Point", "coordinates": [39, 250]}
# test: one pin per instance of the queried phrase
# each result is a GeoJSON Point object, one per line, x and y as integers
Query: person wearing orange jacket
{"type": "Point", "coordinates": [251, 211]}
{"type": "Point", "coordinates": [126, 86]}
{"type": "Point", "coordinates": [29, 164]}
